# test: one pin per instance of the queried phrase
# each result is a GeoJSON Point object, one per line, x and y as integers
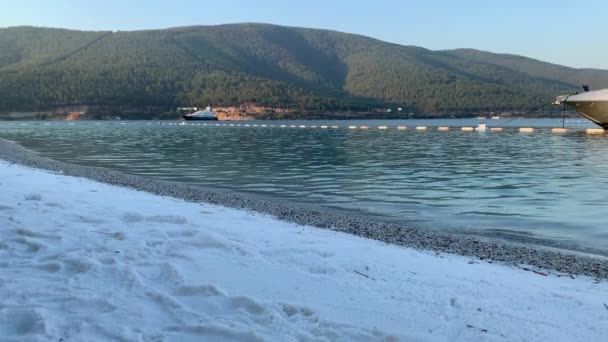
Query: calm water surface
{"type": "Point", "coordinates": [543, 187]}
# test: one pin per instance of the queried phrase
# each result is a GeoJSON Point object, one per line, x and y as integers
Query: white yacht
{"type": "Point", "coordinates": [593, 105]}
{"type": "Point", "coordinates": [206, 114]}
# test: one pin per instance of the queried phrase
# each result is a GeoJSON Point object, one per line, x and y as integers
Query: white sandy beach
{"type": "Point", "coordinates": [86, 261]}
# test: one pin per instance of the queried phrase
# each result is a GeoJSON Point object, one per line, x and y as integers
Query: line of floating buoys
{"type": "Point", "coordinates": [479, 128]}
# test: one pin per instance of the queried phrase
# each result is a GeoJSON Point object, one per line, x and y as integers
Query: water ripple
{"type": "Point", "coordinates": [552, 186]}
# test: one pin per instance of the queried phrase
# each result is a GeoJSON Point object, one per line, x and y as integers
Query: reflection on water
{"type": "Point", "coordinates": [539, 185]}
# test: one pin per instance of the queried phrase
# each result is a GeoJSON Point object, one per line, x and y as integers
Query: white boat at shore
{"type": "Point", "coordinates": [206, 115]}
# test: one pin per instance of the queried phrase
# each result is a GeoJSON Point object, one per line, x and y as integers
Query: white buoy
{"type": "Point", "coordinates": [496, 129]}
{"type": "Point", "coordinates": [467, 129]}
{"type": "Point", "coordinates": [443, 128]}
{"type": "Point", "coordinates": [595, 131]}
{"type": "Point", "coordinates": [526, 129]}
{"type": "Point", "coordinates": [421, 128]}
{"type": "Point", "coordinates": [401, 127]}
{"type": "Point", "coordinates": [382, 127]}
{"type": "Point", "coordinates": [559, 130]}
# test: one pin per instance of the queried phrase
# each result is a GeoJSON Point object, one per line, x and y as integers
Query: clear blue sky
{"type": "Point", "coordinates": [572, 33]}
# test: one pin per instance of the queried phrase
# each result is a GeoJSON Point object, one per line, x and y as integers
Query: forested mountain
{"type": "Point", "coordinates": [308, 69]}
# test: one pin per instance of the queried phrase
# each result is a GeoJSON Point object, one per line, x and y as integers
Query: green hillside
{"type": "Point", "coordinates": [300, 68]}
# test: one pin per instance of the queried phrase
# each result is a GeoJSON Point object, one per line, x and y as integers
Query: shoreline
{"type": "Point", "coordinates": [86, 261]}
{"type": "Point", "coordinates": [18, 116]}
{"type": "Point", "coordinates": [561, 261]}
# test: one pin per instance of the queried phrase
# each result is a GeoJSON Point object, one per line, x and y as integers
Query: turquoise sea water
{"type": "Point", "coordinates": [542, 187]}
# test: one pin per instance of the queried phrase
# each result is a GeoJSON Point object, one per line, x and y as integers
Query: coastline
{"type": "Point", "coordinates": [561, 261]}
{"type": "Point", "coordinates": [82, 260]}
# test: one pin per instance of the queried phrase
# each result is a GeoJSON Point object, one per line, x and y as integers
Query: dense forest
{"type": "Point", "coordinates": [273, 66]}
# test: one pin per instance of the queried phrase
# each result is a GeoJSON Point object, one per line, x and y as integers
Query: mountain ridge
{"type": "Point", "coordinates": [275, 66]}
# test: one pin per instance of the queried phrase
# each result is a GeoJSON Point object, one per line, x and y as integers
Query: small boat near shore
{"type": "Point", "coordinates": [205, 115]}
{"type": "Point", "coordinates": [593, 105]}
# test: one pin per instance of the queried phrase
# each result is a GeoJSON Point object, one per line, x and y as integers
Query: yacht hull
{"type": "Point", "coordinates": [191, 118]}
{"type": "Point", "coordinates": [594, 111]}
{"type": "Point", "coordinates": [593, 105]}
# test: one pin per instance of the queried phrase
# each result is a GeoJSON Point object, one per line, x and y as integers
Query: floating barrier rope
{"type": "Point", "coordinates": [479, 128]}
